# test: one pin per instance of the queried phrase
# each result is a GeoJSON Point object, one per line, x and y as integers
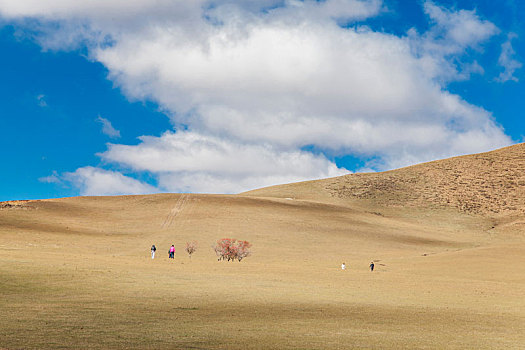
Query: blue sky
{"type": "Point", "coordinates": [224, 97]}
{"type": "Point", "coordinates": [49, 103]}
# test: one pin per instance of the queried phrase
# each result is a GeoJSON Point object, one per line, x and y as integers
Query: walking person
{"type": "Point", "coordinates": [172, 252]}
{"type": "Point", "coordinates": [153, 250]}
{"type": "Point", "coordinates": [343, 266]}
{"type": "Point", "coordinates": [372, 266]}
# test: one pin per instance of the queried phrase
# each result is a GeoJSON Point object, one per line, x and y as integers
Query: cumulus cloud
{"type": "Point", "coordinates": [191, 162]}
{"type": "Point", "coordinates": [507, 61]}
{"type": "Point", "coordinates": [461, 28]}
{"type": "Point", "coordinates": [447, 40]}
{"type": "Point", "coordinates": [95, 181]}
{"type": "Point", "coordinates": [254, 84]}
{"type": "Point", "coordinates": [107, 128]}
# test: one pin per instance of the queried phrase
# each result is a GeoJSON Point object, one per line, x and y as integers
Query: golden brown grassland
{"type": "Point", "coordinates": [77, 272]}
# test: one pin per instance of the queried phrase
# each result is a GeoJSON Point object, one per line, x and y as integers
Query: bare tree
{"type": "Point", "coordinates": [191, 247]}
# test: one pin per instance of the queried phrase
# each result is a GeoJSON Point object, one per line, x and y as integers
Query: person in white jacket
{"type": "Point", "coordinates": [343, 266]}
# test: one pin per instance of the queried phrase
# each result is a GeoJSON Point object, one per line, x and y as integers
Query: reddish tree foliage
{"type": "Point", "coordinates": [191, 247]}
{"type": "Point", "coordinates": [230, 249]}
{"type": "Point", "coordinates": [243, 249]}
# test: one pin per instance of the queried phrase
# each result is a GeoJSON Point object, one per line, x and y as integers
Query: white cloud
{"type": "Point", "coordinates": [459, 29]}
{"type": "Point", "coordinates": [343, 10]}
{"type": "Point", "coordinates": [254, 88]}
{"type": "Point", "coordinates": [191, 162]}
{"type": "Point", "coordinates": [344, 90]}
{"type": "Point", "coordinates": [107, 128]}
{"type": "Point", "coordinates": [118, 9]}
{"type": "Point", "coordinates": [507, 61]}
{"type": "Point", "coordinates": [95, 181]}
{"type": "Point", "coordinates": [450, 36]}
{"type": "Point", "coordinates": [41, 100]}
{"type": "Point", "coordinates": [54, 178]}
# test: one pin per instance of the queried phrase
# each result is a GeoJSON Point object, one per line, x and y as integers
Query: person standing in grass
{"type": "Point", "coordinates": [172, 252]}
{"type": "Point", "coordinates": [372, 266]}
{"type": "Point", "coordinates": [153, 250]}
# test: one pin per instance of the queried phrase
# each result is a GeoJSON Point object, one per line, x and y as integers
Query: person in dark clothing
{"type": "Point", "coordinates": [372, 266]}
{"type": "Point", "coordinates": [153, 250]}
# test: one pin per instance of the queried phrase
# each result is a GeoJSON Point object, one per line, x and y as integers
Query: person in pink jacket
{"type": "Point", "coordinates": [172, 252]}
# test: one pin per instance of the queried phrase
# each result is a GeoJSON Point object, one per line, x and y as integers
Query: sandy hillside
{"type": "Point", "coordinates": [447, 238]}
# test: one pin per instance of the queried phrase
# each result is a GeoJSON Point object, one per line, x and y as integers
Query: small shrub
{"type": "Point", "coordinates": [191, 247]}
{"type": "Point", "coordinates": [230, 249]}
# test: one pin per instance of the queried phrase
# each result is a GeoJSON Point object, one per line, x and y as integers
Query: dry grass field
{"type": "Point", "coordinates": [447, 238]}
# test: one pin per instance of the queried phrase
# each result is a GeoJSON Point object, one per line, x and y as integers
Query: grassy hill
{"type": "Point", "coordinates": [490, 184]}
{"type": "Point", "coordinates": [447, 238]}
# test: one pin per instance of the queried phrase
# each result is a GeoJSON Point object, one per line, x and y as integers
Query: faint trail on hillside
{"type": "Point", "coordinates": [176, 210]}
